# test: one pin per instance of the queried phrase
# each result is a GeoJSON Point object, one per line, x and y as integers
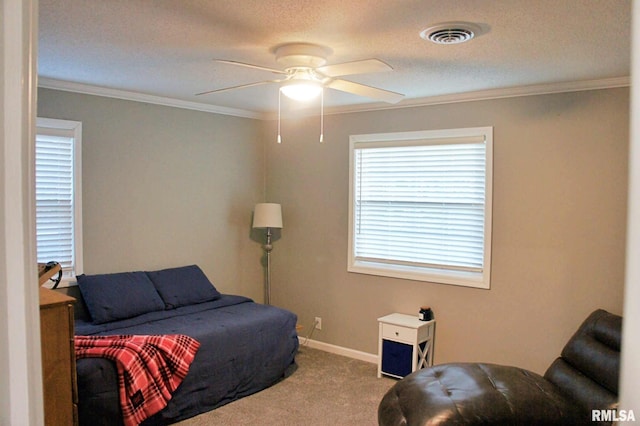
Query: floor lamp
{"type": "Point", "coordinates": [267, 216]}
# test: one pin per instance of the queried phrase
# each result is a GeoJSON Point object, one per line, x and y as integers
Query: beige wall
{"type": "Point", "coordinates": [167, 187]}
{"type": "Point", "coordinates": [164, 186]}
{"type": "Point", "coordinates": [560, 185]}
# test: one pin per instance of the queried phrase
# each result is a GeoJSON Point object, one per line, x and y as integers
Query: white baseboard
{"type": "Point", "coordinates": [339, 350]}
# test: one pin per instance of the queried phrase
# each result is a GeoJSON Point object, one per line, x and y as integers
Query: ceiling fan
{"type": "Point", "coordinates": [305, 74]}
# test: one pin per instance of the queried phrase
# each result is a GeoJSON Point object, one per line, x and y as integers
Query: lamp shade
{"type": "Point", "coordinates": [267, 215]}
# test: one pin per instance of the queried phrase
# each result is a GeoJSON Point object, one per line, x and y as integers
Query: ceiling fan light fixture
{"type": "Point", "coordinates": [306, 76]}
{"type": "Point", "coordinates": [301, 89]}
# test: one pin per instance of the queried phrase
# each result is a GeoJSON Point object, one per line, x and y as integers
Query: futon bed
{"type": "Point", "coordinates": [244, 346]}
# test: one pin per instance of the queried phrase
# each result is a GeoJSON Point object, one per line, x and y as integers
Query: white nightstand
{"type": "Point", "coordinates": [405, 344]}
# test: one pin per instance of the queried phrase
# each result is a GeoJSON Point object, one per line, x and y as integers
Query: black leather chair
{"type": "Point", "coordinates": [584, 378]}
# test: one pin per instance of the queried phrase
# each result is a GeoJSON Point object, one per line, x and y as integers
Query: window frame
{"type": "Point", "coordinates": [72, 129]}
{"type": "Point", "coordinates": [480, 279]}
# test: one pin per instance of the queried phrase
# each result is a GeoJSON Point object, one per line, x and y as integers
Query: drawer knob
{"type": "Point", "coordinates": [397, 334]}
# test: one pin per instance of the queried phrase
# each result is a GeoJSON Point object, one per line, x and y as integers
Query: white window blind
{"type": "Point", "coordinates": [420, 205]}
{"type": "Point", "coordinates": [57, 209]}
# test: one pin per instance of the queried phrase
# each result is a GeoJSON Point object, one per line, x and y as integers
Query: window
{"type": "Point", "coordinates": [58, 194]}
{"type": "Point", "coordinates": [420, 205]}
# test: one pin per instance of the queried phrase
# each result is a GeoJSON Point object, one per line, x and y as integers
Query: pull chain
{"type": "Point", "coordinates": [322, 115]}
{"type": "Point", "coordinates": [279, 95]}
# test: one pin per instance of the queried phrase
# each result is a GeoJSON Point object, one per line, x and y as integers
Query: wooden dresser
{"type": "Point", "coordinates": [58, 358]}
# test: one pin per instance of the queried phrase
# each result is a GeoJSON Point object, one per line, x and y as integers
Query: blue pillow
{"type": "Point", "coordinates": [183, 286]}
{"type": "Point", "coordinates": [111, 297]}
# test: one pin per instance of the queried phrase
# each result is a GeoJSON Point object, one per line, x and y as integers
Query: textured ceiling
{"type": "Point", "coordinates": [165, 47]}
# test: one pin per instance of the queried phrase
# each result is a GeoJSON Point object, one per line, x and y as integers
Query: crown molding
{"type": "Point", "coordinates": [480, 95]}
{"type": "Point", "coordinates": [69, 86]}
{"type": "Point", "coordinates": [507, 92]}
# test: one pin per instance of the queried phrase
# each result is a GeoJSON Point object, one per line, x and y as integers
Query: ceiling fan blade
{"type": "Point", "coordinates": [356, 67]}
{"type": "Point", "coordinates": [257, 67]}
{"type": "Point", "coordinates": [366, 91]}
{"type": "Point", "coordinates": [242, 86]}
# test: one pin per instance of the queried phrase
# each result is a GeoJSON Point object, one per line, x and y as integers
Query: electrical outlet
{"type": "Point", "coordinates": [318, 323]}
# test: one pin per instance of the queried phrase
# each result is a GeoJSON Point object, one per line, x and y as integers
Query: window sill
{"type": "Point", "coordinates": [438, 276]}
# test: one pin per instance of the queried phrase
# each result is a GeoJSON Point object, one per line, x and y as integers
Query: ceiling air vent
{"type": "Point", "coordinates": [450, 32]}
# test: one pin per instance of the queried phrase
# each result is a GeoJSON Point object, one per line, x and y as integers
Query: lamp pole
{"type": "Point", "coordinates": [267, 248]}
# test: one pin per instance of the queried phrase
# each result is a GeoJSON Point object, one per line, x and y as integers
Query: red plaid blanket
{"type": "Point", "coordinates": [150, 368]}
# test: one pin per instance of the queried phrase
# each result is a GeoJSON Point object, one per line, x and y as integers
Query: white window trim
{"type": "Point", "coordinates": [462, 278]}
{"type": "Point", "coordinates": [50, 126]}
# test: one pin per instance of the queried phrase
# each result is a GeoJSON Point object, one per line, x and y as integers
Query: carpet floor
{"type": "Point", "coordinates": [325, 389]}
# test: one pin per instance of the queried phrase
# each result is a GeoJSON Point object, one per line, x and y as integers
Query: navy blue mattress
{"type": "Point", "coordinates": [244, 348]}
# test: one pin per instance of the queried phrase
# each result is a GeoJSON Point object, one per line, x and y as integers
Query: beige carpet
{"type": "Point", "coordinates": [326, 389]}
